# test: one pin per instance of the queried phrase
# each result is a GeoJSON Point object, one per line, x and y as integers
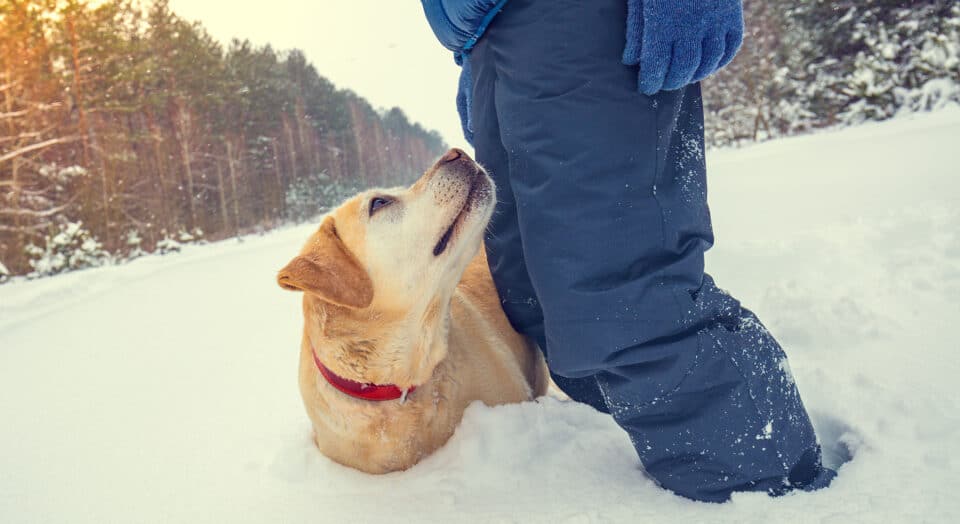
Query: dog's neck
{"type": "Point", "coordinates": [404, 351]}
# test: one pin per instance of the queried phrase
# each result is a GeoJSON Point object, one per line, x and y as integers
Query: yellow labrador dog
{"type": "Point", "coordinates": [402, 323]}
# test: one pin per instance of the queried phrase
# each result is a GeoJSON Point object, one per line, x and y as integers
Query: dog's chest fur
{"type": "Point", "coordinates": [379, 437]}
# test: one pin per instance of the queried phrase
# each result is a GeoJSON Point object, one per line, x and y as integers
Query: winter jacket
{"type": "Point", "coordinates": [674, 42]}
{"type": "Point", "coordinates": [458, 24]}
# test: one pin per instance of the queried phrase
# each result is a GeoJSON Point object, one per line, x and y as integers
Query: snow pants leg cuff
{"type": "Point", "coordinates": [734, 423]}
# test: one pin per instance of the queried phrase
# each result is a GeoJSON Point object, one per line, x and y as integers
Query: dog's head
{"type": "Point", "coordinates": [379, 272]}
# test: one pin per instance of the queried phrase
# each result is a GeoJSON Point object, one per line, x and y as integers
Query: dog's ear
{"type": "Point", "coordinates": [329, 271]}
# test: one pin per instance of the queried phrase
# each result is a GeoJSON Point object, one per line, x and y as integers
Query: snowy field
{"type": "Point", "coordinates": [165, 390]}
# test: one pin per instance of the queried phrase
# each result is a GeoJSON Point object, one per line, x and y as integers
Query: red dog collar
{"type": "Point", "coordinates": [373, 392]}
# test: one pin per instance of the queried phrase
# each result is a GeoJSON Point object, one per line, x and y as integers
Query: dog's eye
{"type": "Point", "coordinates": [377, 203]}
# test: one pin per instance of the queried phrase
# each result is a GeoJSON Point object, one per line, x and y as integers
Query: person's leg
{"type": "Point", "coordinates": [610, 194]}
{"type": "Point", "coordinates": [503, 243]}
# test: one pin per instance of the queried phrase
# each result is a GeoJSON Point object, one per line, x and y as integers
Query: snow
{"type": "Point", "coordinates": [934, 95]}
{"type": "Point", "coordinates": [70, 249]}
{"type": "Point", "coordinates": [164, 390]}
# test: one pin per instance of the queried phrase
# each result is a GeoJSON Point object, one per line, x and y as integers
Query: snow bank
{"type": "Point", "coordinates": [164, 390]}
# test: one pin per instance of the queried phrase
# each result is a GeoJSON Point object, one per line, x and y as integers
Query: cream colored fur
{"type": "Point", "coordinates": [380, 307]}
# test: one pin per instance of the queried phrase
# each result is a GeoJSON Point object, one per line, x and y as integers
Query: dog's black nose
{"type": "Point", "coordinates": [452, 155]}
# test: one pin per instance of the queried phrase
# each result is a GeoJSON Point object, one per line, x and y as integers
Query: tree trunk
{"type": "Point", "coordinates": [184, 127]}
{"type": "Point", "coordinates": [281, 207]}
{"type": "Point", "coordinates": [166, 214]}
{"type": "Point", "coordinates": [78, 87]}
{"type": "Point", "coordinates": [304, 135]}
{"type": "Point", "coordinates": [222, 191]}
{"type": "Point", "coordinates": [291, 149]}
{"type": "Point", "coordinates": [231, 167]}
{"type": "Point", "coordinates": [105, 193]}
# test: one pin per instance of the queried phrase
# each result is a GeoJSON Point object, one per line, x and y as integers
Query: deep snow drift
{"type": "Point", "coordinates": [165, 390]}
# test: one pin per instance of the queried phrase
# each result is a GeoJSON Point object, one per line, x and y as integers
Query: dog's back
{"type": "Point", "coordinates": [478, 288]}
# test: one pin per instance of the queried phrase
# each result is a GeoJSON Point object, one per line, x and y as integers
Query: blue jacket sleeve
{"type": "Point", "coordinates": [458, 24]}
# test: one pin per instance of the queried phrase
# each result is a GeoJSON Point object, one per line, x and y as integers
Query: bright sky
{"type": "Point", "coordinates": [381, 49]}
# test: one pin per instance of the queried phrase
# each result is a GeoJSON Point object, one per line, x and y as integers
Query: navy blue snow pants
{"type": "Point", "coordinates": [597, 245]}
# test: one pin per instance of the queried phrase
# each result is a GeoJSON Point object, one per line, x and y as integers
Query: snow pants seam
{"type": "Point", "coordinates": [666, 395]}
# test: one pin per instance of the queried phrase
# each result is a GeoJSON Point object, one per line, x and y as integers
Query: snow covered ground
{"type": "Point", "coordinates": [165, 390]}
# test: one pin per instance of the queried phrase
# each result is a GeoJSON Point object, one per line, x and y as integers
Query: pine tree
{"type": "Point", "coordinates": [817, 63]}
{"type": "Point", "coordinates": [136, 123]}
{"type": "Point", "coordinates": [868, 55]}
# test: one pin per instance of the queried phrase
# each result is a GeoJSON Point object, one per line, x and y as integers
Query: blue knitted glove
{"type": "Point", "coordinates": [678, 42]}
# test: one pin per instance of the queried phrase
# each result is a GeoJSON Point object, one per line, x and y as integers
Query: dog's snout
{"type": "Point", "coordinates": [452, 155]}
